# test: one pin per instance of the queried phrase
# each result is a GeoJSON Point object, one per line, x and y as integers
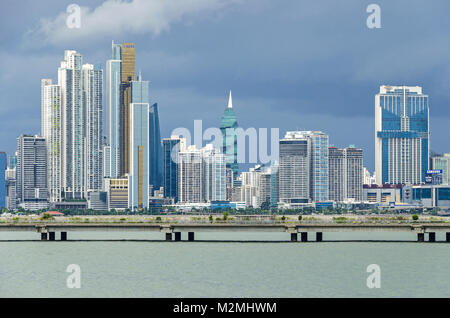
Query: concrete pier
{"type": "Point", "coordinates": [191, 236]}
{"type": "Point", "coordinates": [168, 236]}
{"type": "Point", "coordinates": [304, 236]}
{"type": "Point", "coordinates": [432, 237]}
{"type": "Point", "coordinates": [420, 237]}
{"type": "Point", "coordinates": [177, 236]}
{"type": "Point", "coordinates": [63, 236]}
{"type": "Point", "coordinates": [44, 236]}
{"type": "Point", "coordinates": [319, 236]}
{"type": "Point", "coordinates": [51, 236]}
{"type": "Point", "coordinates": [294, 237]}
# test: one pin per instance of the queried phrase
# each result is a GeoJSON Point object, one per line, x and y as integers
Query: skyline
{"type": "Point", "coordinates": [276, 82]}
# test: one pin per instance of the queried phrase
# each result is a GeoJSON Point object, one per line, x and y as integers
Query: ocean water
{"type": "Point", "coordinates": [222, 268]}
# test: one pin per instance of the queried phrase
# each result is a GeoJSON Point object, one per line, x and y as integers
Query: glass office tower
{"type": "Point", "coordinates": [155, 148]}
{"type": "Point", "coordinates": [228, 126]}
{"type": "Point", "coordinates": [401, 135]}
{"type": "Point", "coordinates": [2, 180]}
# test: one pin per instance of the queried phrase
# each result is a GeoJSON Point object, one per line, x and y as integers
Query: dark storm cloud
{"type": "Point", "coordinates": [291, 64]}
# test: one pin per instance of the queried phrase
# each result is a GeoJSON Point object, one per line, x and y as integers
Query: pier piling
{"type": "Point", "coordinates": [63, 236]}
{"type": "Point", "coordinates": [168, 236]}
{"type": "Point", "coordinates": [304, 236]}
{"type": "Point", "coordinates": [319, 236]}
{"type": "Point", "coordinates": [51, 236]}
{"type": "Point", "coordinates": [294, 237]}
{"type": "Point", "coordinates": [432, 237]}
{"type": "Point", "coordinates": [190, 236]}
{"type": "Point", "coordinates": [447, 237]}
{"type": "Point", "coordinates": [420, 237]}
{"type": "Point", "coordinates": [177, 236]}
{"type": "Point", "coordinates": [44, 236]}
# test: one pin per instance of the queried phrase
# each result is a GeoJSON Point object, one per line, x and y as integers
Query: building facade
{"type": "Point", "coordinates": [228, 128]}
{"type": "Point", "coordinates": [294, 169]}
{"type": "Point", "coordinates": [155, 164]}
{"type": "Point", "coordinates": [31, 172]}
{"type": "Point", "coordinates": [3, 165]}
{"type": "Point", "coordinates": [401, 135]}
{"type": "Point", "coordinates": [170, 149]}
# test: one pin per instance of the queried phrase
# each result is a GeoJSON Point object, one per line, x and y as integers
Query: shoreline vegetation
{"type": "Point", "coordinates": [225, 218]}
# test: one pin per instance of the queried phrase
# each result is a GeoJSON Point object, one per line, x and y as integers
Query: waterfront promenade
{"type": "Point", "coordinates": [171, 226]}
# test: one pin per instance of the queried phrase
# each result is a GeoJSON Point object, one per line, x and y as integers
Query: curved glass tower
{"type": "Point", "coordinates": [228, 127]}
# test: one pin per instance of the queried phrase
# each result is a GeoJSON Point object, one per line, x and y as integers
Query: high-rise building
{"type": "Point", "coordinates": [228, 127]}
{"type": "Point", "coordinates": [401, 135]}
{"type": "Point", "coordinates": [294, 170]}
{"type": "Point", "coordinates": [318, 165]}
{"type": "Point", "coordinates": [442, 163]}
{"type": "Point", "coordinates": [171, 147]}
{"type": "Point", "coordinates": [3, 165]}
{"type": "Point", "coordinates": [155, 148]}
{"type": "Point", "coordinates": [353, 158]}
{"type": "Point", "coordinates": [73, 125]}
{"type": "Point", "coordinates": [139, 145]}
{"type": "Point", "coordinates": [345, 174]}
{"type": "Point", "coordinates": [113, 110]}
{"type": "Point", "coordinates": [31, 184]}
{"type": "Point", "coordinates": [336, 174]}
{"type": "Point", "coordinates": [214, 174]}
{"type": "Point", "coordinates": [93, 108]}
{"type": "Point", "coordinates": [52, 132]}
{"type": "Point", "coordinates": [190, 175]}
{"type": "Point", "coordinates": [127, 76]}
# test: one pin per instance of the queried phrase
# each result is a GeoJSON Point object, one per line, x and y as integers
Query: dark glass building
{"type": "Point", "coordinates": [2, 180]}
{"type": "Point", "coordinates": [228, 127]}
{"type": "Point", "coordinates": [155, 164]}
{"type": "Point", "coordinates": [170, 148]}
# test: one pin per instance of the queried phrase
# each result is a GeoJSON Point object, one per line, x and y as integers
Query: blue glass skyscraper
{"type": "Point", "coordinates": [155, 148]}
{"type": "Point", "coordinates": [401, 135]}
{"type": "Point", "coordinates": [228, 127]}
{"type": "Point", "coordinates": [2, 180]}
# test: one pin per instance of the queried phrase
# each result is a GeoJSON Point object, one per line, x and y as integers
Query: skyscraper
{"type": "Point", "coordinates": [127, 76]}
{"type": "Point", "coordinates": [190, 175]}
{"type": "Point", "coordinates": [52, 132]}
{"type": "Point", "coordinates": [401, 135]}
{"type": "Point", "coordinates": [155, 148]}
{"type": "Point", "coordinates": [318, 165]}
{"type": "Point", "coordinates": [353, 173]}
{"type": "Point", "coordinates": [214, 182]}
{"type": "Point", "coordinates": [228, 127]}
{"type": "Point", "coordinates": [139, 145]}
{"type": "Point", "coordinates": [294, 170]}
{"type": "Point", "coordinates": [171, 147]}
{"type": "Point", "coordinates": [113, 110]}
{"type": "Point", "coordinates": [93, 108]}
{"type": "Point", "coordinates": [336, 174]}
{"type": "Point", "coordinates": [2, 180]}
{"type": "Point", "coordinates": [345, 174]}
{"type": "Point", "coordinates": [31, 184]}
{"type": "Point", "coordinates": [73, 146]}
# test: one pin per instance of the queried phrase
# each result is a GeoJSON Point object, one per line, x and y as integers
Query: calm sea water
{"type": "Point", "coordinates": [223, 269]}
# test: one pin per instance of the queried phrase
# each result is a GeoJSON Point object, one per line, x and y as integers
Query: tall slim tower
{"type": "Point", "coordinates": [113, 111]}
{"type": "Point", "coordinates": [139, 146]}
{"type": "Point", "coordinates": [52, 132]}
{"type": "Point", "coordinates": [127, 76]}
{"type": "Point", "coordinates": [73, 146]}
{"type": "Point", "coordinates": [155, 148]}
{"type": "Point", "coordinates": [228, 127]}
{"type": "Point", "coordinates": [401, 135]}
{"type": "Point", "coordinates": [93, 108]}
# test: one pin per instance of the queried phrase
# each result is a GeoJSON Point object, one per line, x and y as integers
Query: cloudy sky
{"type": "Point", "coordinates": [291, 64]}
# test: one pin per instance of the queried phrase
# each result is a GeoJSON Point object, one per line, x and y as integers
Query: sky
{"type": "Point", "coordinates": [291, 64]}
